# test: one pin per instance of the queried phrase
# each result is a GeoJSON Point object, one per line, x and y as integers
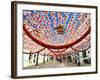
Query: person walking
{"type": "Point", "coordinates": [78, 60]}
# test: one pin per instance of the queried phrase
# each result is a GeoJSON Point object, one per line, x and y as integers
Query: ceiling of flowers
{"type": "Point", "coordinates": [56, 32]}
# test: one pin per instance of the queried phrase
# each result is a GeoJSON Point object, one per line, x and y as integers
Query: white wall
{"type": "Point", "coordinates": [5, 43]}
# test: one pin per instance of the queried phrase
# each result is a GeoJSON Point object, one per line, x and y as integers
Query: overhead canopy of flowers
{"type": "Point", "coordinates": [56, 30]}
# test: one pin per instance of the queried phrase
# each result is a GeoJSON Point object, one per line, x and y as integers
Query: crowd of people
{"type": "Point", "coordinates": [75, 58]}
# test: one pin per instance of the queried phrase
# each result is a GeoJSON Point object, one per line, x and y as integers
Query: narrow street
{"type": "Point", "coordinates": [52, 64]}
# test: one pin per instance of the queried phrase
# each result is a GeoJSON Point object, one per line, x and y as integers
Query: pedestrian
{"type": "Point", "coordinates": [78, 60]}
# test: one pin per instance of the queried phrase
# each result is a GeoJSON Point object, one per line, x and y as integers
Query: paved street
{"type": "Point", "coordinates": [52, 64]}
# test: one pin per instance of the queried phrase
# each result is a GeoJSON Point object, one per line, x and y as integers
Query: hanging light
{"type": "Point", "coordinates": [60, 29]}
